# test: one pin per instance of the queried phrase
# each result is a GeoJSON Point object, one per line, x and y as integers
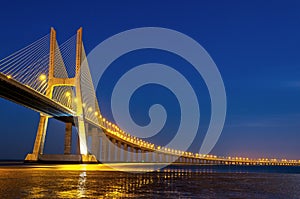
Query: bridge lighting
{"type": "Point", "coordinates": [75, 99]}
{"type": "Point", "coordinates": [68, 94]}
{"type": "Point", "coordinates": [90, 109]}
{"type": "Point", "coordinates": [8, 76]}
{"type": "Point", "coordinates": [96, 113]}
{"type": "Point", "coordinates": [83, 105]}
{"type": "Point", "coordinates": [42, 77]}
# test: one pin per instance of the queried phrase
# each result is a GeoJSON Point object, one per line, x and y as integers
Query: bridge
{"type": "Point", "coordinates": [45, 77]}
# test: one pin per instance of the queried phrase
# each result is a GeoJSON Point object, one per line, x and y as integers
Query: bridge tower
{"type": "Point", "coordinates": [83, 156]}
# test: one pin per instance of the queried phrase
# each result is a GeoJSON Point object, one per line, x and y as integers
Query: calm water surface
{"type": "Point", "coordinates": [81, 181]}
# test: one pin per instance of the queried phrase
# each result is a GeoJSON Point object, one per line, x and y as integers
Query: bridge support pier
{"type": "Point", "coordinates": [119, 146]}
{"type": "Point", "coordinates": [143, 156]}
{"type": "Point", "coordinates": [68, 139]}
{"type": "Point", "coordinates": [163, 157]}
{"type": "Point", "coordinates": [150, 157]}
{"type": "Point", "coordinates": [112, 150]}
{"type": "Point", "coordinates": [132, 154]}
{"type": "Point", "coordinates": [157, 157]}
{"type": "Point", "coordinates": [125, 155]}
{"type": "Point", "coordinates": [39, 140]}
{"type": "Point", "coordinates": [104, 146]}
{"type": "Point", "coordinates": [95, 142]}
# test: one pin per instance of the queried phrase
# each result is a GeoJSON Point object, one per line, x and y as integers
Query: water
{"type": "Point", "coordinates": [97, 181]}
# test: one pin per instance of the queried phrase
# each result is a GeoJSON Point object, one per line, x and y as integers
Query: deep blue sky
{"type": "Point", "coordinates": [255, 45]}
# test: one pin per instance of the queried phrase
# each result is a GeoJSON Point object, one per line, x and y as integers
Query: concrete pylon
{"type": "Point", "coordinates": [119, 148]}
{"type": "Point", "coordinates": [72, 82]}
{"type": "Point", "coordinates": [95, 142]}
{"type": "Point", "coordinates": [125, 154]}
{"type": "Point", "coordinates": [143, 154]}
{"type": "Point", "coordinates": [68, 139]}
{"type": "Point", "coordinates": [132, 154]}
{"type": "Point", "coordinates": [112, 150]}
{"type": "Point", "coordinates": [150, 157]}
{"type": "Point", "coordinates": [157, 157]}
{"type": "Point", "coordinates": [104, 147]}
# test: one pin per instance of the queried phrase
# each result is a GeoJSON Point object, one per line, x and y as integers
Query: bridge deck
{"type": "Point", "coordinates": [25, 96]}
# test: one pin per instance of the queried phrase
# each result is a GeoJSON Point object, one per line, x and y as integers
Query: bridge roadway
{"type": "Point", "coordinates": [21, 94]}
{"type": "Point", "coordinates": [12, 90]}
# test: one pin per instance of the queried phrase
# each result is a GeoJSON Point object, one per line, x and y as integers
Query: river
{"type": "Point", "coordinates": [98, 181]}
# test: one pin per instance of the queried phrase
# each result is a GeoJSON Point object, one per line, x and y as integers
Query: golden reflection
{"type": "Point", "coordinates": [82, 184]}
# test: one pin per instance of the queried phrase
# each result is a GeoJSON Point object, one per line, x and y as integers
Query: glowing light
{"type": "Point", "coordinates": [8, 76]}
{"type": "Point", "coordinates": [75, 99]}
{"type": "Point", "coordinates": [83, 105]}
{"type": "Point", "coordinates": [90, 109]}
{"type": "Point", "coordinates": [68, 94]}
{"type": "Point", "coordinates": [96, 113]}
{"type": "Point", "coordinates": [42, 77]}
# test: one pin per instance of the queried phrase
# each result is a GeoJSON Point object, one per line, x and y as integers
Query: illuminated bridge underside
{"type": "Point", "coordinates": [25, 96]}
{"type": "Point", "coordinates": [40, 81]}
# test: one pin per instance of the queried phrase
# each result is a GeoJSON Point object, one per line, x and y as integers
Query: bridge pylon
{"type": "Point", "coordinates": [78, 119]}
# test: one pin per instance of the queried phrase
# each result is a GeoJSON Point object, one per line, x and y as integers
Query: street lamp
{"type": "Point", "coordinates": [42, 77]}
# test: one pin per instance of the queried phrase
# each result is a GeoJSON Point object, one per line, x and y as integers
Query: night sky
{"type": "Point", "coordinates": [255, 45]}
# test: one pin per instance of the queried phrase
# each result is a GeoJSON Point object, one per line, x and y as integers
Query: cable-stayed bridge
{"type": "Point", "coordinates": [55, 81]}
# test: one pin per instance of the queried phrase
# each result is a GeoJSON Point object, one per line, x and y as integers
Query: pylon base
{"type": "Point", "coordinates": [61, 158]}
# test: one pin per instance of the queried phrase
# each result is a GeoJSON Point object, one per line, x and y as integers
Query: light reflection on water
{"type": "Point", "coordinates": [97, 181]}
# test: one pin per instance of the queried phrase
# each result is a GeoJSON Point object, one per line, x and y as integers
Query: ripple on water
{"type": "Point", "coordinates": [50, 182]}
